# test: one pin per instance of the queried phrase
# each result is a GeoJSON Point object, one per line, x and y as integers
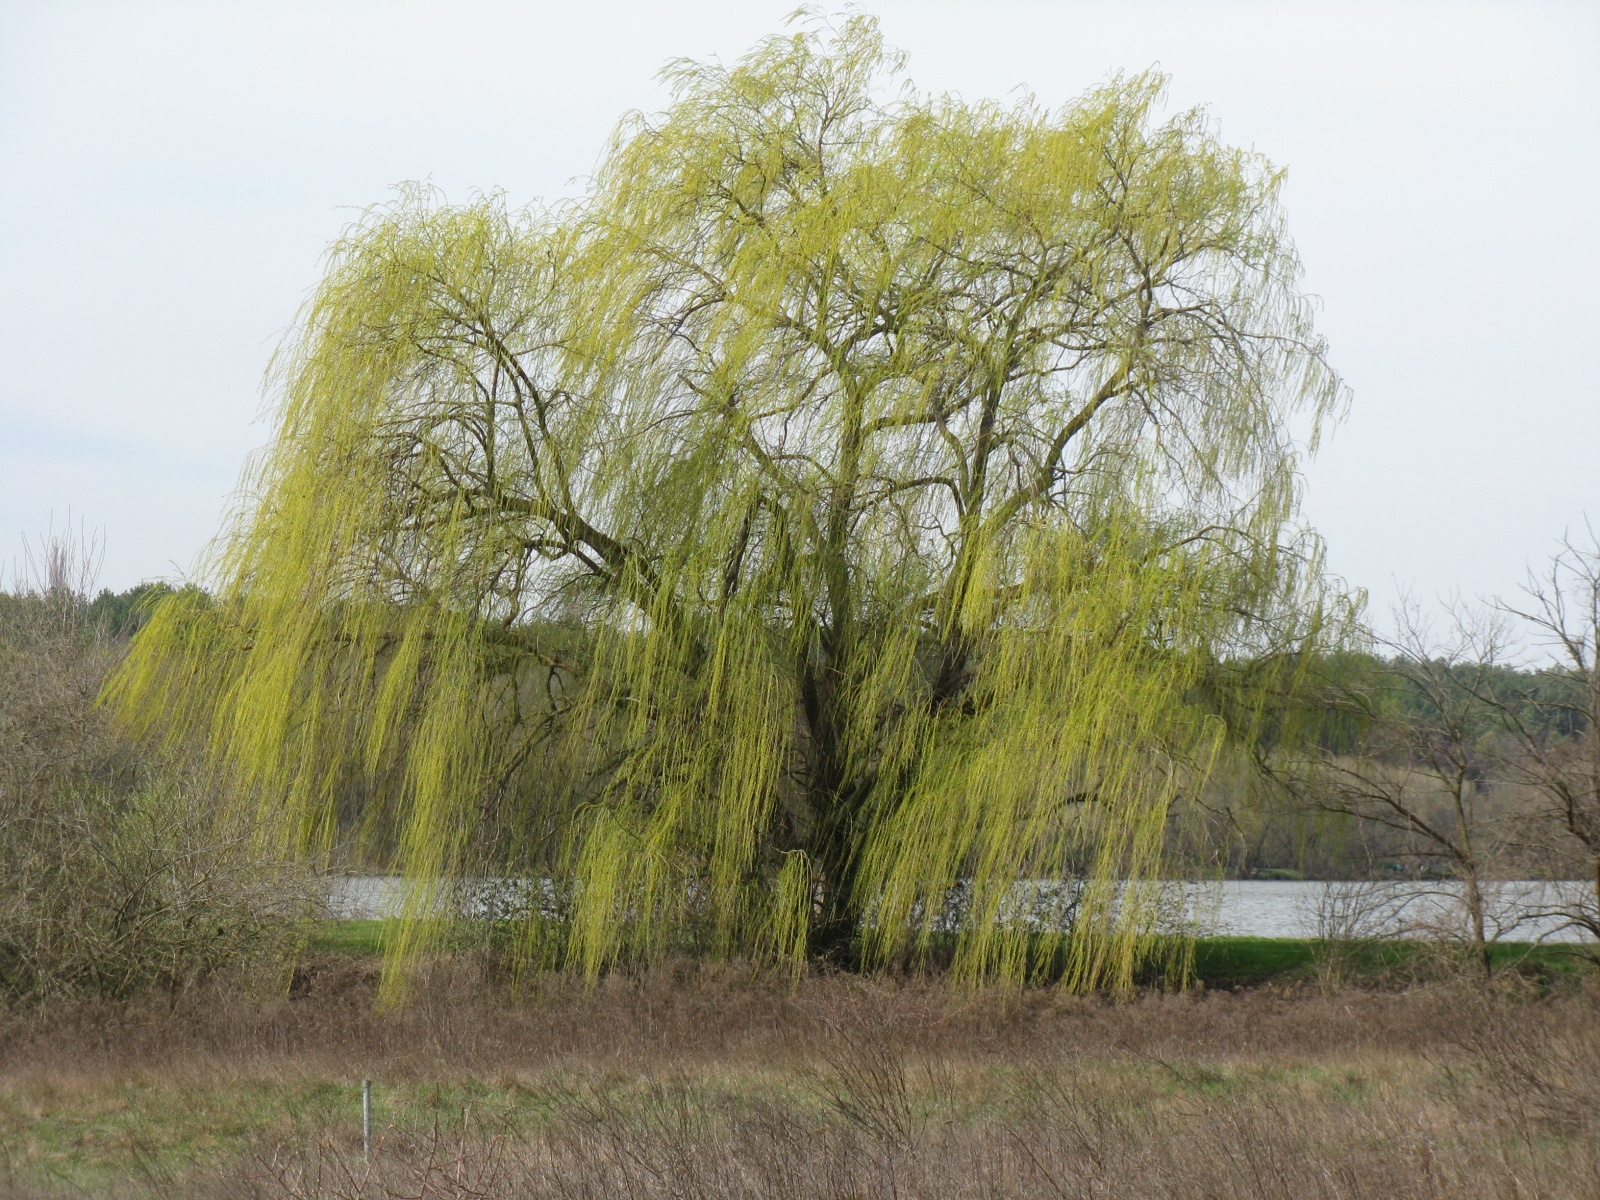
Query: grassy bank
{"type": "Point", "coordinates": [716, 1083]}
{"type": "Point", "coordinates": [1244, 961]}
{"type": "Point", "coordinates": [1218, 962]}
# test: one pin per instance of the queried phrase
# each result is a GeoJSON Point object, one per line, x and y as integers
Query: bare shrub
{"type": "Point", "coordinates": [1536, 1077]}
{"type": "Point", "coordinates": [867, 1081]}
{"type": "Point", "coordinates": [113, 895]}
{"type": "Point", "coordinates": [116, 877]}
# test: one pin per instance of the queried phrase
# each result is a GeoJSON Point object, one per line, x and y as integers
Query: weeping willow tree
{"type": "Point", "coordinates": [818, 533]}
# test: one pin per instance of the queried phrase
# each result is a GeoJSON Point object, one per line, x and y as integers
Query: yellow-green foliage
{"type": "Point", "coordinates": [829, 513]}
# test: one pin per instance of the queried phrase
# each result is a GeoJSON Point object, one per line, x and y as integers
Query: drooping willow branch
{"type": "Point", "coordinates": [884, 476]}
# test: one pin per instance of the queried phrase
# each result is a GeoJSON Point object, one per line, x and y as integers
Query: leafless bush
{"type": "Point", "coordinates": [116, 877]}
{"type": "Point", "coordinates": [112, 895]}
{"type": "Point", "coordinates": [1536, 1077]}
{"type": "Point", "coordinates": [867, 1081]}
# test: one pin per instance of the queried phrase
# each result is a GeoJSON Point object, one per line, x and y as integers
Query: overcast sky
{"type": "Point", "coordinates": [171, 172]}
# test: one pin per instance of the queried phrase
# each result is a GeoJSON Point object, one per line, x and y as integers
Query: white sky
{"type": "Point", "coordinates": [170, 174]}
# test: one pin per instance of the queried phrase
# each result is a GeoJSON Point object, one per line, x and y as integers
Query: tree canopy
{"type": "Point", "coordinates": [819, 530]}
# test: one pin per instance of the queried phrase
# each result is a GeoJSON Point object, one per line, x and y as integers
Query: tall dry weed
{"type": "Point", "coordinates": [712, 1084]}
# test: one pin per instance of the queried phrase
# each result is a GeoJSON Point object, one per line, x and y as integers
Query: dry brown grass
{"type": "Point", "coordinates": [712, 1083]}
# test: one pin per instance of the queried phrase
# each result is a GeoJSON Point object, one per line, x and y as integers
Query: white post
{"type": "Point", "coordinates": [366, 1120]}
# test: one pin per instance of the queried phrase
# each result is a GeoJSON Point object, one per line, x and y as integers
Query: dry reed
{"type": "Point", "coordinates": [705, 1083]}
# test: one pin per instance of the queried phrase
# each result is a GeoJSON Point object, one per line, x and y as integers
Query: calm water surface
{"type": "Point", "coordinates": [1518, 911]}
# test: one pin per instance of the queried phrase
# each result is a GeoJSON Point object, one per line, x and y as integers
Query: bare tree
{"type": "Point", "coordinates": [1549, 726]}
{"type": "Point", "coordinates": [1422, 767]}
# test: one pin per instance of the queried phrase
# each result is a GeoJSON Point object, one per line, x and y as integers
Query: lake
{"type": "Point", "coordinates": [1518, 910]}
